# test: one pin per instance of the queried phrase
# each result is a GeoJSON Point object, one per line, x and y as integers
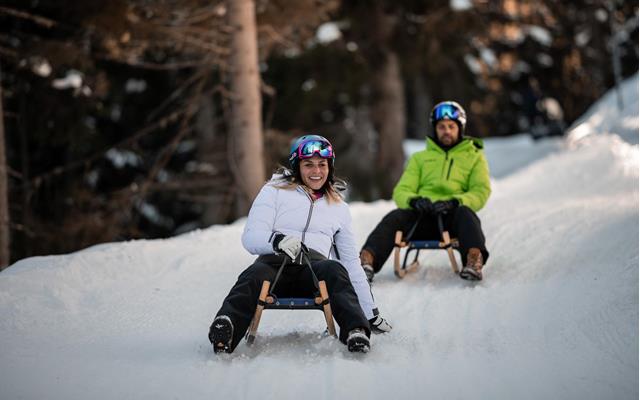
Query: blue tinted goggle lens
{"type": "Point", "coordinates": [309, 149]}
{"type": "Point", "coordinates": [446, 111]}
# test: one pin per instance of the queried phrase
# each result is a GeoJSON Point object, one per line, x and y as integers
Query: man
{"type": "Point", "coordinates": [449, 178]}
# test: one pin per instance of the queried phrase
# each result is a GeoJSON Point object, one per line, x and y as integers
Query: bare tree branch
{"type": "Point", "coordinates": [42, 21]}
{"type": "Point", "coordinates": [167, 152]}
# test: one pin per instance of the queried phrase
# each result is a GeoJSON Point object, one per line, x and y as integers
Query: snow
{"type": "Point", "coordinates": [582, 38]}
{"type": "Point", "coordinates": [540, 34]}
{"type": "Point", "coordinates": [41, 67]}
{"type": "Point", "coordinates": [473, 64]}
{"type": "Point", "coordinates": [556, 316]}
{"type": "Point", "coordinates": [460, 5]}
{"type": "Point", "coordinates": [123, 158]}
{"type": "Point", "coordinates": [606, 116]}
{"type": "Point", "coordinates": [309, 84]}
{"type": "Point", "coordinates": [544, 59]}
{"type": "Point", "coordinates": [489, 57]}
{"type": "Point", "coordinates": [73, 79]}
{"type": "Point", "coordinates": [328, 32]}
{"type": "Point", "coordinates": [135, 85]}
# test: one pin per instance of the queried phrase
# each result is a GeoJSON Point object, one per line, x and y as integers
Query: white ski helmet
{"type": "Point", "coordinates": [449, 110]}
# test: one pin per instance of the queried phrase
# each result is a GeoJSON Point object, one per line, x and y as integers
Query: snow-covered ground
{"type": "Point", "coordinates": [555, 318]}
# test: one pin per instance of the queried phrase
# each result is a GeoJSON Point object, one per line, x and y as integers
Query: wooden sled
{"type": "Point", "coordinates": [401, 269]}
{"type": "Point", "coordinates": [269, 301]}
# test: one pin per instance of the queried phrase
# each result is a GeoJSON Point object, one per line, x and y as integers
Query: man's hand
{"type": "Point", "coordinates": [289, 245]}
{"type": "Point", "coordinates": [444, 206]}
{"type": "Point", "coordinates": [422, 205]}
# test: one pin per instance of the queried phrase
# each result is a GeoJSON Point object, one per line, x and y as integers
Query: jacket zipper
{"type": "Point", "coordinates": [446, 158]}
{"type": "Point", "coordinates": [449, 171]}
{"type": "Point", "coordinates": [304, 232]}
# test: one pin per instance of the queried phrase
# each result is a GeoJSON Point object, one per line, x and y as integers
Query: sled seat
{"type": "Point", "coordinates": [269, 301]}
{"type": "Point", "coordinates": [447, 243]}
{"type": "Point", "coordinates": [293, 303]}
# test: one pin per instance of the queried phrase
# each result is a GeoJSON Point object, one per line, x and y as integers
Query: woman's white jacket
{"type": "Point", "coordinates": [317, 223]}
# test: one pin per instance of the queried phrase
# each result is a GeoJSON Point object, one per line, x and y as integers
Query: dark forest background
{"type": "Point", "coordinates": [119, 115]}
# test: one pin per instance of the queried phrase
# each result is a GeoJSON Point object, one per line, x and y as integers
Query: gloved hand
{"type": "Point", "coordinates": [444, 206]}
{"type": "Point", "coordinates": [379, 325]}
{"type": "Point", "coordinates": [422, 205]}
{"type": "Point", "coordinates": [289, 245]}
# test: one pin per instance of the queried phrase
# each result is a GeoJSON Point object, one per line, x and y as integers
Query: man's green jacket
{"type": "Point", "coordinates": [461, 173]}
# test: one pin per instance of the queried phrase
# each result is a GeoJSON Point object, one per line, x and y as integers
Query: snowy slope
{"type": "Point", "coordinates": [556, 316]}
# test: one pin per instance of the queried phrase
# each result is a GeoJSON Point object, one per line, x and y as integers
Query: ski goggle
{"type": "Point", "coordinates": [446, 111]}
{"type": "Point", "coordinates": [315, 147]}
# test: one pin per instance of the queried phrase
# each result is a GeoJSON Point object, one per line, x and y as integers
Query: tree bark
{"type": "Point", "coordinates": [4, 193]}
{"type": "Point", "coordinates": [421, 104]}
{"type": "Point", "coordinates": [388, 108]}
{"type": "Point", "coordinates": [245, 127]}
{"type": "Point", "coordinates": [390, 121]}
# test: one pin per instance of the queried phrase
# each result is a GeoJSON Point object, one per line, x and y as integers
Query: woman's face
{"type": "Point", "coordinates": [447, 132]}
{"type": "Point", "coordinates": [314, 172]}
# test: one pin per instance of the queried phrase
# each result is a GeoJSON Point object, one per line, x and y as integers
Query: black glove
{"type": "Point", "coordinates": [444, 206]}
{"type": "Point", "coordinates": [422, 205]}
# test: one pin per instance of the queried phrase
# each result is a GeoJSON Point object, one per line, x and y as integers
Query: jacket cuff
{"type": "Point", "coordinates": [276, 239]}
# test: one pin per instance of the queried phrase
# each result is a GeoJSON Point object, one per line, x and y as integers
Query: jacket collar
{"type": "Point", "coordinates": [465, 143]}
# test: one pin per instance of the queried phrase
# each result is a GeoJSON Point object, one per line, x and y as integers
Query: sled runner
{"type": "Point", "coordinates": [269, 301]}
{"type": "Point", "coordinates": [447, 243]}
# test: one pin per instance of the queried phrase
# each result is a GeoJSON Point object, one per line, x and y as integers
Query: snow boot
{"type": "Point", "coordinates": [221, 334]}
{"type": "Point", "coordinates": [473, 270]}
{"type": "Point", "coordinates": [357, 341]}
{"type": "Point", "coordinates": [366, 259]}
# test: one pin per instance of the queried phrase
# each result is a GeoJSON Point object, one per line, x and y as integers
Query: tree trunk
{"type": "Point", "coordinates": [4, 193]}
{"type": "Point", "coordinates": [388, 101]}
{"type": "Point", "coordinates": [390, 120]}
{"type": "Point", "coordinates": [421, 104]}
{"type": "Point", "coordinates": [245, 130]}
{"type": "Point", "coordinates": [217, 199]}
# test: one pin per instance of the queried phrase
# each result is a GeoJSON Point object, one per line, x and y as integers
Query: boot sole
{"type": "Point", "coordinates": [220, 335]}
{"type": "Point", "coordinates": [358, 344]}
{"type": "Point", "coordinates": [470, 275]}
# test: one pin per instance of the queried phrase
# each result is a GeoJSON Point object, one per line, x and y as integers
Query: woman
{"type": "Point", "coordinates": [296, 207]}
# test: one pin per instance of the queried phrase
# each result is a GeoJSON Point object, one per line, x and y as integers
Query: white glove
{"type": "Point", "coordinates": [379, 325]}
{"type": "Point", "coordinates": [291, 246]}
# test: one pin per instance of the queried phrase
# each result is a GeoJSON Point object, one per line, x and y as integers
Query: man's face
{"type": "Point", "coordinates": [447, 132]}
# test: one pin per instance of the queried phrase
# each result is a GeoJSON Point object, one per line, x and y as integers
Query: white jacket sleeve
{"type": "Point", "coordinates": [346, 244]}
{"type": "Point", "coordinates": [258, 231]}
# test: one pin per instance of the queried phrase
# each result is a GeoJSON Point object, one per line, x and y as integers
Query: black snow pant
{"type": "Point", "coordinates": [295, 281]}
{"type": "Point", "coordinates": [462, 224]}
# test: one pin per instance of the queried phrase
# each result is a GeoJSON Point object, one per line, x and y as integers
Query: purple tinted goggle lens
{"type": "Point", "coordinates": [446, 111]}
{"type": "Point", "coordinates": [309, 149]}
